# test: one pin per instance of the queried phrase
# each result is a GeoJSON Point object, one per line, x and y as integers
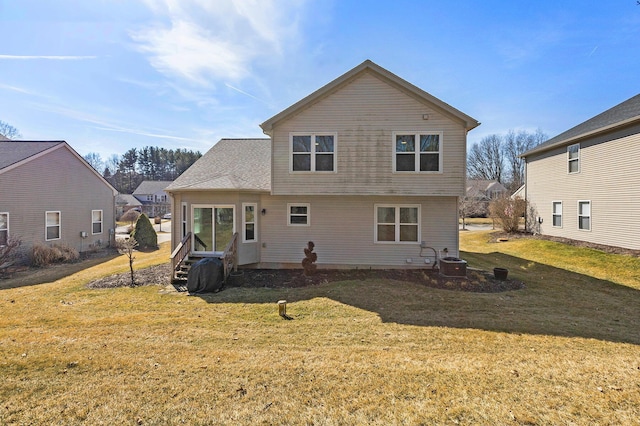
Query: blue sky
{"type": "Point", "coordinates": [107, 76]}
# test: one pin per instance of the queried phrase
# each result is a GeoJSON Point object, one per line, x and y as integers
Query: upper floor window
{"type": "Point", "coordinates": [149, 197]}
{"type": "Point", "coordinates": [557, 214]}
{"type": "Point", "coordinates": [397, 223]}
{"type": "Point", "coordinates": [313, 152]}
{"type": "Point", "coordinates": [4, 229]}
{"type": "Point", "coordinates": [249, 223]}
{"type": "Point", "coordinates": [584, 215]}
{"type": "Point", "coordinates": [52, 222]}
{"type": "Point", "coordinates": [298, 214]}
{"type": "Point", "coordinates": [96, 222]}
{"type": "Point", "coordinates": [417, 152]}
{"type": "Point", "coordinates": [573, 158]}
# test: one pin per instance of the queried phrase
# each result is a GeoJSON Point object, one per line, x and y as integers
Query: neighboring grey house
{"type": "Point", "coordinates": [151, 194]}
{"type": "Point", "coordinates": [585, 182]}
{"type": "Point", "coordinates": [126, 202]}
{"type": "Point", "coordinates": [49, 194]}
{"type": "Point", "coordinates": [479, 193]}
{"type": "Point", "coordinates": [369, 167]}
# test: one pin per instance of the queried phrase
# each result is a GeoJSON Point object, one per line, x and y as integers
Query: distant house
{"type": "Point", "coordinates": [369, 167]}
{"type": "Point", "coordinates": [151, 194]}
{"type": "Point", "coordinates": [126, 202]}
{"type": "Point", "coordinates": [49, 194]}
{"type": "Point", "coordinates": [479, 193]}
{"type": "Point", "coordinates": [585, 182]}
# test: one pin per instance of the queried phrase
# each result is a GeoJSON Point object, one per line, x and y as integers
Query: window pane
{"type": "Point", "coordinates": [299, 210]}
{"type": "Point", "coordinates": [96, 215]}
{"type": "Point", "coordinates": [249, 213]}
{"type": "Point", "coordinates": [573, 166]}
{"type": "Point", "coordinates": [557, 208]}
{"type": "Point", "coordinates": [324, 162]}
{"type": "Point", "coordinates": [429, 143]}
{"type": "Point", "coordinates": [4, 235]}
{"type": "Point", "coordinates": [386, 233]}
{"type": "Point", "coordinates": [386, 215]}
{"type": "Point", "coordinates": [96, 228]}
{"type": "Point", "coordinates": [429, 162]}
{"type": "Point", "coordinates": [584, 222]}
{"type": "Point", "coordinates": [408, 215]}
{"type": "Point", "coordinates": [408, 232]}
{"type": "Point", "coordinates": [557, 220]}
{"type": "Point", "coordinates": [299, 220]}
{"type": "Point", "coordinates": [53, 232]}
{"type": "Point", "coordinates": [324, 143]}
{"type": "Point", "coordinates": [249, 232]}
{"type": "Point", "coordinates": [53, 219]}
{"type": "Point", "coordinates": [405, 162]}
{"type": "Point", "coordinates": [573, 151]}
{"type": "Point", "coordinates": [584, 209]}
{"type": "Point", "coordinates": [405, 143]}
{"type": "Point", "coordinates": [301, 162]}
{"type": "Point", "coordinates": [4, 221]}
{"type": "Point", "coordinates": [302, 144]}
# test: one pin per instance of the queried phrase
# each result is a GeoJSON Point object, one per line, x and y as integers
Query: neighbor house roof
{"type": "Point", "coordinates": [368, 66]}
{"type": "Point", "coordinates": [620, 115]}
{"type": "Point", "coordinates": [231, 164]}
{"type": "Point", "coordinates": [127, 200]}
{"type": "Point", "coordinates": [151, 187]}
{"type": "Point", "coordinates": [483, 187]}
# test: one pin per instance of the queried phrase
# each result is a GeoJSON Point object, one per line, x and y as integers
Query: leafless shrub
{"type": "Point", "coordinates": [44, 255]}
{"type": "Point", "coordinates": [508, 212]}
{"type": "Point", "coordinates": [9, 252]}
{"type": "Point", "coordinates": [127, 247]}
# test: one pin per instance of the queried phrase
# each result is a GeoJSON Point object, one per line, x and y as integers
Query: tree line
{"type": "Point", "coordinates": [126, 172]}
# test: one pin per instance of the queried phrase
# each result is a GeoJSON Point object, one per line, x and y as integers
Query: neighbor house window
{"type": "Point", "coordinates": [417, 152]}
{"type": "Point", "coordinates": [584, 215]}
{"type": "Point", "coordinates": [249, 223]}
{"type": "Point", "coordinates": [397, 224]}
{"type": "Point", "coordinates": [313, 152]}
{"type": "Point", "coordinates": [149, 197]}
{"type": "Point", "coordinates": [557, 214]}
{"type": "Point", "coordinates": [52, 220]}
{"type": "Point", "coordinates": [96, 222]}
{"type": "Point", "coordinates": [4, 229]}
{"type": "Point", "coordinates": [573, 157]}
{"type": "Point", "coordinates": [298, 215]}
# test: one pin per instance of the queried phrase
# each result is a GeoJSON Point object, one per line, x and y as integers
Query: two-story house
{"type": "Point", "coordinates": [585, 182]}
{"type": "Point", "coordinates": [369, 167]}
{"type": "Point", "coordinates": [153, 197]}
{"type": "Point", "coordinates": [49, 194]}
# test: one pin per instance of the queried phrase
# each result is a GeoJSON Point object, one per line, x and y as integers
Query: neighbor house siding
{"type": "Point", "coordinates": [342, 229]}
{"type": "Point", "coordinates": [609, 177]}
{"type": "Point", "coordinates": [364, 113]}
{"type": "Point", "coordinates": [56, 181]}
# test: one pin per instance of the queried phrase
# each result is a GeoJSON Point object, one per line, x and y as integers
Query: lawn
{"type": "Point", "coordinates": [565, 350]}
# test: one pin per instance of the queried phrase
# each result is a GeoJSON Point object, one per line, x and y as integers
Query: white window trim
{"type": "Point", "coordinates": [244, 222]}
{"type": "Point", "coordinates": [313, 152]}
{"type": "Point", "coordinates": [307, 205]}
{"type": "Point", "coordinates": [183, 220]}
{"type": "Point", "coordinates": [581, 215]}
{"type": "Point", "coordinates": [397, 223]}
{"type": "Point", "coordinates": [47, 226]}
{"type": "Point", "coordinates": [577, 160]}
{"type": "Point", "coordinates": [8, 225]}
{"type": "Point", "coordinates": [417, 134]}
{"type": "Point", "coordinates": [554, 214]}
{"type": "Point", "coordinates": [212, 206]}
{"type": "Point", "coordinates": [101, 222]}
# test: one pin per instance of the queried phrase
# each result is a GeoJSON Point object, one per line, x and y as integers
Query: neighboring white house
{"type": "Point", "coordinates": [585, 182]}
{"type": "Point", "coordinates": [49, 194]}
{"type": "Point", "coordinates": [369, 167]}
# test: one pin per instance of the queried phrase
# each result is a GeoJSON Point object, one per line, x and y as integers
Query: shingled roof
{"type": "Point", "coordinates": [620, 115]}
{"type": "Point", "coordinates": [147, 187]}
{"type": "Point", "coordinates": [12, 152]}
{"type": "Point", "coordinates": [231, 164]}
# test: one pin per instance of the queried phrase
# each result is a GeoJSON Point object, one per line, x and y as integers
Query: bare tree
{"type": "Point", "coordinates": [95, 160]}
{"type": "Point", "coordinates": [514, 145]}
{"type": "Point", "coordinates": [127, 247]}
{"type": "Point", "coordinates": [8, 131]}
{"type": "Point", "coordinates": [485, 160]}
{"type": "Point", "coordinates": [471, 206]}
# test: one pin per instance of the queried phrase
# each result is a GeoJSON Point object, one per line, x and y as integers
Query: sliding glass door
{"type": "Point", "coordinates": [213, 226]}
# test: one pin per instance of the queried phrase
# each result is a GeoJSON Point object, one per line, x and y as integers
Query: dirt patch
{"type": "Point", "coordinates": [476, 281]}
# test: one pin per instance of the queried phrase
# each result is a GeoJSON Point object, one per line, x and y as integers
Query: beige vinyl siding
{"type": "Point", "coordinates": [609, 178]}
{"type": "Point", "coordinates": [342, 228]}
{"type": "Point", "coordinates": [56, 181]}
{"type": "Point", "coordinates": [364, 113]}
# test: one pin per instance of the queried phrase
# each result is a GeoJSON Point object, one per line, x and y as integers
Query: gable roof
{"type": "Point", "coordinates": [368, 66]}
{"type": "Point", "coordinates": [127, 200]}
{"type": "Point", "coordinates": [231, 164]}
{"type": "Point", "coordinates": [620, 115]}
{"type": "Point", "coordinates": [15, 153]}
{"type": "Point", "coordinates": [151, 187]}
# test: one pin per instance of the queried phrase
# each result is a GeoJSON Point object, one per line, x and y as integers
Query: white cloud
{"type": "Point", "coordinates": [203, 41]}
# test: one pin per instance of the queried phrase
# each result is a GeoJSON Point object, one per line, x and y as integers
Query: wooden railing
{"type": "Point", "coordinates": [180, 253]}
{"type": "Point", "coordinates": [230, 256]}
{"type": "Point", "coordinates": [199, 241]}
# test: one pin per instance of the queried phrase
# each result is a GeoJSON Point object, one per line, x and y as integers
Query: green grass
{"type": "Point", "coordinates": [565, 350]}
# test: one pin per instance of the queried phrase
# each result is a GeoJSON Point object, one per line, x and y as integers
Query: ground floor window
{"type": "Point", "coordinates": [52, 223]}
{"type": "Point", "coordinates": [96, 222]}
{"type": "Point", "coordinates": [250, 232]}
{"type": "Point", "coordinates": [4, 229]}
{"type": "Point", "coordinates": [397, 223]}
{"type": "Point", "coordinates": [584, 215]}
{"type": "Point", "coordinates": [298, 215]}
{"type": "Point", "coordinates": [213, 227]}
{"type": "Point", "coordinates": [557, 214]}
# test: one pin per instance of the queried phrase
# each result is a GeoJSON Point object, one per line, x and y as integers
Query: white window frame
{"type": "Point", "coordinates": [245, 222]}
{"type": "Point", "coordinates": [581, 215]}
{"type": "Point", "coordinates": [397, 223]}
{"type": "Point", "coordinates": [416, 134]}
{"type": "Point", "coordinates": [184, 219]}
{"type": "Point", "coordinates": [308, 215]}
{"type": "Point", "coordinates": [570, 160]}
{"type": "Point", "coordinates": [213, 207]}
{"type": "Point", "coordinates": [93, 222]}
{"type": "Point", "coordinates": [555, 213]}
{"type": "Point", "coordinates": [47, 226]}
{"type": "Point", "coordinates": [313, 153]}
{"type": "Point", "coordinates": [7, 228]}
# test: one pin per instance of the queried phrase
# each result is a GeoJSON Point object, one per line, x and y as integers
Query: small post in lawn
{"type": "Point", "coordinates": [282, 309]}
